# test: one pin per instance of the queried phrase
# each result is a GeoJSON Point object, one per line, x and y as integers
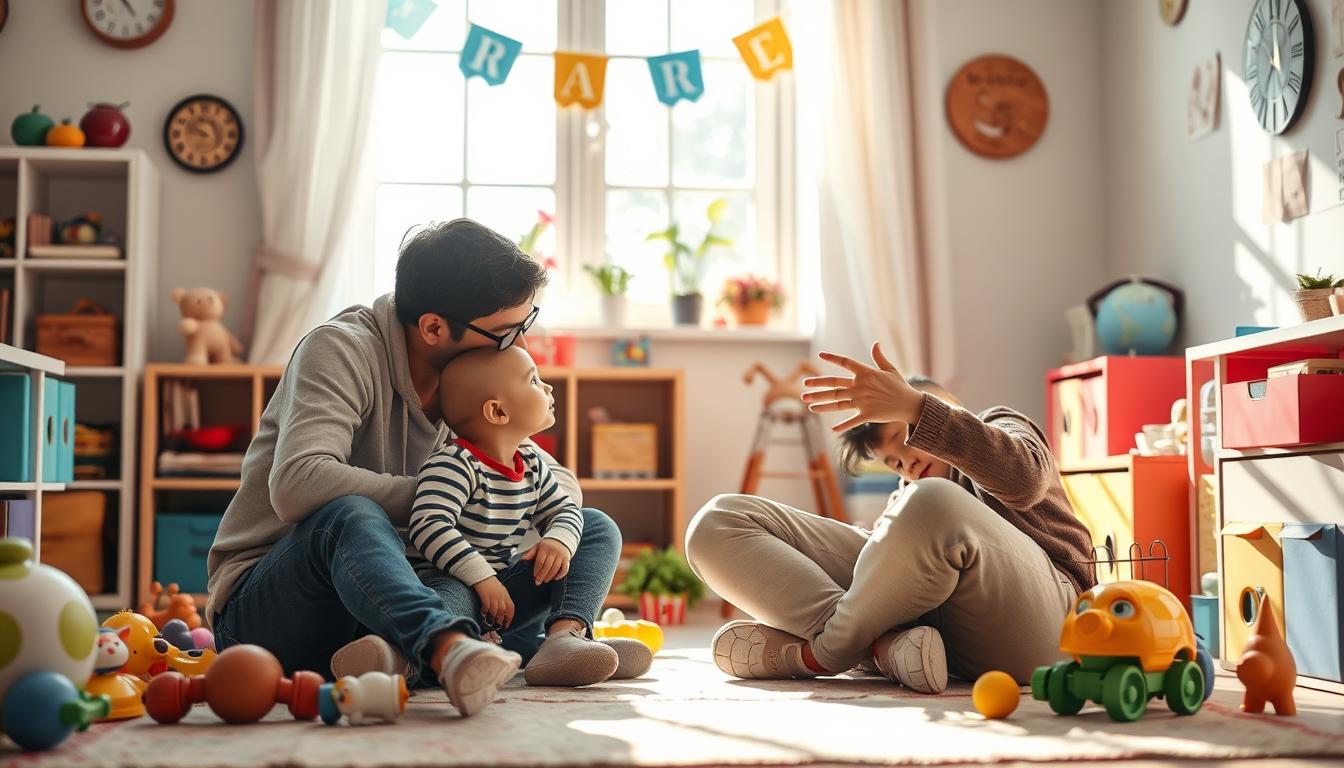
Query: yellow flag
{"type": "Point", "coordinates": [766, 49]}
{"type": "Point", "coordinates": [579, 77]}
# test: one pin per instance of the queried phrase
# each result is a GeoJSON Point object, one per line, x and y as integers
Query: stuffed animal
{"type": "Point", "coordinates": [1266, 666]}
{"type": "Point", "coordinates": [208, 341]}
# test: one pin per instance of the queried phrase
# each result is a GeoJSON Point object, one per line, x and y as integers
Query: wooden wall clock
{"type": "Point", "coordinates": [997, 106]}
{"type": "Point", "coordinates": [203, 133]}
{"type": "Point", "coordinates": [1171, 10]}
{"type": "Point", "coordinates": [128, 23]}
{"type": "Point", "coordinates": [1277, 61]}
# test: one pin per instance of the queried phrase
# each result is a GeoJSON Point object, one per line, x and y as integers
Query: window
{"type": "Point", "coordinates": [449, 147]}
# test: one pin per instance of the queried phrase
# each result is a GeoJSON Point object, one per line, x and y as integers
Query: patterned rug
{"type": "Point", "coordinates": [686, 713]}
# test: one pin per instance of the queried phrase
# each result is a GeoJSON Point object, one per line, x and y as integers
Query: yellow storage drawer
{"type": "Point", "coordinates": [1252, 566]}
{"type": "Point", "coordinates": [1103, 501]}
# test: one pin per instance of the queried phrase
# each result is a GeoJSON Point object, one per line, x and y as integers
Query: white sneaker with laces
{"type": "Point", "coordinates": [915, 658]}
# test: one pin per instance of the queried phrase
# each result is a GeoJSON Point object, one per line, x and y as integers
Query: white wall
{"type": "Point", "coordinates": [1189, 211]}
{"type": "Point", "coordinates": [210, 224]}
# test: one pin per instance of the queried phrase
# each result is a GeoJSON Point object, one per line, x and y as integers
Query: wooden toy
{"type": "Point", "coordinates": [110, 678]}
{"type": "Point", "coordinates": [995, 695]}
{"type": "Point", "coordinates": [371, 697]}
{"type": "Point", "coordinates": [1130, 641]}
{"type": "Point", "coordinates": [241, 687]}
{"type": "Point", "coordinates": [152, 654]}
{"type": "Point", "coordinates": [1266, 666]}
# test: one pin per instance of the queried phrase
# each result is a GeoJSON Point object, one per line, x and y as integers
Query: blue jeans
{"type": "Point", "coordinates": [342, 573]}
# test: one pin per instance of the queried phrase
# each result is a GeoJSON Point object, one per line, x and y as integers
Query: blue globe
{"type": "Point", "coordinates": [1136, 317]}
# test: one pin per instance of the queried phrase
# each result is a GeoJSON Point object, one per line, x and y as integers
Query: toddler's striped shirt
{"type": "Point", "coordinates": [471, 511]}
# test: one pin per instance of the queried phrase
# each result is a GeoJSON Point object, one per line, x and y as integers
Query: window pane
{"type": "Point", "coordinates": [418, 118]}
{"type": "Point", "coordinates": [712, 142]}
{"type": "Point", "coordinates": [711, 25]}
{"type": "Point", "coordinates": [511, 127]}
{"type": "Point", "coordinates": [511, 211]}
{"type": "Point", "coordinates": [636, 27]}
{"type": "Point", "coordinates": [631, 215]}
{"type": "Point", "coordinates": [530, 22]}
{"type": "Point", "coordinates": [398, 208]}
{"type": "Point", "coordinates": [444, 30]}
{"type": "Point", "coordinates": [738, 224]}
{"type": "Point", "coordinates": [636, 127]}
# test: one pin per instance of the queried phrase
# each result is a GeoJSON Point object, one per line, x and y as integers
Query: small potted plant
{"type": "Point", "coordinates": [612, 281]}
{"type": "Point", "coordinates": [686, 265]}
{"type": "Point", "coordinates": [664, 585]}
{"type": "Point", "coordinates": [1313, 295]}
{"type": "Point", "coordinates": [751, 298]}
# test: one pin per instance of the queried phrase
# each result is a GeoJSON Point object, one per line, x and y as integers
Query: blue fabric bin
{"type": "Point", "coordinates": [1312, 598]}
{"type": "Point", "coordinates": [1204, 613]}
{"type": "Point", "coordinates": [181, 543]}
{"type": "Point", "coordinates": [65, 451]}
{"type": "Point", "coordinates": [51, 428]}
{"type": "Point", "coordinates": [16, 428]}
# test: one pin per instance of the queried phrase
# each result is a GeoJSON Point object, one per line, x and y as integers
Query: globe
{"type": "Point", "coordinates": [1136, 317]}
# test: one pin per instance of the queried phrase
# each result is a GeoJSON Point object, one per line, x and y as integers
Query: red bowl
{"type": "Point", "coordinates": [215, 438]}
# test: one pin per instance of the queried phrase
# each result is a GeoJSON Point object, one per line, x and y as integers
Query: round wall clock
{"type": "Point", "coordinates": [127, 23]}
{"type": "Point", "coordinates": [997, 106]}
{"type": "Point", "coordinates": [1277, 61]}
{"type": "Point", "coordinates": [203, 133]}
{"type": "Point", "coordinates": [1171, 10]}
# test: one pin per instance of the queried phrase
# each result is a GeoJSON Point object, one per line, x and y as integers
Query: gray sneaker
{"type": "Point", "coordinates": [916, 658]}
{"type": "Point", "coordinates": [369, 653]}
{"type": "Point", "coordinates": [752, 650]}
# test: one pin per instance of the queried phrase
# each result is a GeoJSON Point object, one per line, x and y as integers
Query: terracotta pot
{"type": "Point", "coordinates": [753, 313]}
{"type": "Point", "coordinates": [1313, 304]}
{"type": "Point", "coordinates": [1337, 301]}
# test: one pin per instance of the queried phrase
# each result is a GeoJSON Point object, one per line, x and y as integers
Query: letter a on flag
{"type": "Point", "coordinates": [579, 78]}
{"type": "Point", "coordinates": [676, 76]}
{"type": "Point", "coordinates": [488, 55]}
{"type": "Point", "coordinates": [766, 49]}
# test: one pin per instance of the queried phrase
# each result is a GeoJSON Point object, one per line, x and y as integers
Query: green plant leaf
{"type": "Point", "coordinates": [717, 210]}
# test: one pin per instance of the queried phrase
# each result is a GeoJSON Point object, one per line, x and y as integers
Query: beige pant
{"type": "Point", "coordinates": [937, 557]}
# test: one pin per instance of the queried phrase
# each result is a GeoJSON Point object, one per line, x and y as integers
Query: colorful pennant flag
{"type": "Point", "coordinates": [676, 76]}
{"type": "Point", "coordinates": [488, 55]}
{"type": "Point", "coordinates": [579, 78]}
{"type": "Point", "coordinates": [406, 17]}
{"type": "Point", "coordinates": [766, 49]}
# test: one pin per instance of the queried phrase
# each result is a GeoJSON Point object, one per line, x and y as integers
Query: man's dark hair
{"type": "Point", "coordinates": [857, 442]}
{"type": "Point", "coordinates": [462, 270]}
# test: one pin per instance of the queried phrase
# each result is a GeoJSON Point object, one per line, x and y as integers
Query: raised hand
{"type": "Point", "coordinates": [878, 394]}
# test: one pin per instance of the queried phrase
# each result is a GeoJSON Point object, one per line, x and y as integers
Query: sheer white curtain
{"type": "Point", "coordinates": [315, 64]}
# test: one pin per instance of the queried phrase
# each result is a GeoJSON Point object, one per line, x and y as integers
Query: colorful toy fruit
{"type": "Point", "coordinates": [995, 695]}
{"type": "Point", "coordinates": [645, 632]}
{"type": "Point", "coordinates": [1266, 666]}
{"type": "Point", "coordinates": [47, 634]}
{"type": "Point", "coordinates": [1130, 641]}
{"type": "Point", "coordinates": [105, 126]}
{"type": "Point", "coordinates": [152, 654]}
{"type": "Point", "coordinates": [30, 128]}
{"type": "Point", "coordinates": [241, 687]}
{"type": "Point", "coordinates": [371, 697]}
{"type": "Point", "coordinates": [65, 135]}
{"type": "Point", "coordinates": [110, 678]}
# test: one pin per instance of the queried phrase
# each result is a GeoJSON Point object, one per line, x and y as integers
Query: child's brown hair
{"type": "Point", "coordinates": [857, 442]}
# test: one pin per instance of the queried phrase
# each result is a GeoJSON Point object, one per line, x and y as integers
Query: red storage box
{"type": "Point", "coordinates": [1093, 408]}
{"type": "Point", "coordinates": [1283, 410]}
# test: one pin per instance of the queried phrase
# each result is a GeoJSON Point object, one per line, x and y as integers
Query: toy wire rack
{"type": "Point", "coordinates": [1143, 566]}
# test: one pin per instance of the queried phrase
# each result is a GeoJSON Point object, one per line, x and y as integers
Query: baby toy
{"type": "Point", "coordinates": [180, 606]}
{"type": "Point", "coordinates": [47, 633]}
{"type": "Point", "coordinates": [1130, 641]}
{"type": "Point", "coordinates": [208, 341]}
{"type": "Point", "coordinates": [241, 687]}
{"type": "Point", "coordinates": [614, 624]}
{"type": "Point", "coordinates": [176, 633]}
{"type": "Point", "coordinates": [151, 654]}
{"type": "Point", "coordinates": [1266, 666]}
{"type": "Point", "coordinates": [995, 695]}
{"type": "Point", "coordinates": [109, 678]}
{"type": "Point", "coordinates": [371, 697]}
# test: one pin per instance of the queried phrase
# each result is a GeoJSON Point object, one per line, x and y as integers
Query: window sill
{"type": "Point", "coordinates": [691, 334]}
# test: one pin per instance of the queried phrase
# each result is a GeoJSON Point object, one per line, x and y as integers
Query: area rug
{"type": "Point", "coordinates": [685, 713]}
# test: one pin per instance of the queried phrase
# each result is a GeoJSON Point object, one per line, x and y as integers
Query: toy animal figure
{"type": "Point", "coordinates": [208, 341]}
{"type": "Point", "coordinates": [180, 606]}
{"type": "Point", "coordinates": [787, 388]}
{"type": "Point", "coordinates": [151, 654]}
{"type": "Point", "coordinates": [1266, 666]}
{"type": "Point", "coordinates": [110, 678]}
{"type": "Point", "coordinates": [371, 697]}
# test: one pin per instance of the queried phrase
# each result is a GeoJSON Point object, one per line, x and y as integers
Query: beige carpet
{"type": "Point", "coordinates": [686, 713]}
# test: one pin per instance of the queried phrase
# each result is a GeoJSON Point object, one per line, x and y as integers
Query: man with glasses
{"type": "Point", "coordinates": [310, 554]}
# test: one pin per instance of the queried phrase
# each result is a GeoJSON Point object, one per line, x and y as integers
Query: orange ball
{"type": "Point", "coordinates": [995, 695]}
{"type": "Point", "coordinates": [241, 684]}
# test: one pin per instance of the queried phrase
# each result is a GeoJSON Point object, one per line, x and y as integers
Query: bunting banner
{"type": "Point", "coordinates": [579, 79]}
{"type": "Point", "coordinates": [406, 17]}
{"type": "Point", "coordinates": [488, 55]}
{"type": "Point", "coordinates": [766, 49]}
{"type": "Point", "coordinates": [676, 76]}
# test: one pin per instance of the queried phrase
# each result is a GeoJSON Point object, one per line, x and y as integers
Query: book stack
{"type": "Point", "coordinates": [200, 464]}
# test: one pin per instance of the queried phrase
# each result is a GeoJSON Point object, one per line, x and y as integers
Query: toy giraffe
{"type": "Point", "coordinates": [1266, 666]}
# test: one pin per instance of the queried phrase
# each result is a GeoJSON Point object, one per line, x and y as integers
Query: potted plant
{"type": "Point", "coordinates": [752, 298]}
{"type": "Point", "coordinates": [686, 265]}
{"type": "Point", "coordinates": [612, 281]}
{"type": "Point", "coordinates": [1313, 295]}
{"type": "Point", "coordinates": [664, 585]}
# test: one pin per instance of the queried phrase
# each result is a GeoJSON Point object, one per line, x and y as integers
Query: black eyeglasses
{"type": "Point", "coordinates": [510, 336]}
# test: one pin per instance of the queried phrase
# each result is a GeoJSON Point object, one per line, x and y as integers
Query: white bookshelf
{"type": "Point", "coordinates": [122, 185]}
{"type": "Point", "coordinates": [38, 367]}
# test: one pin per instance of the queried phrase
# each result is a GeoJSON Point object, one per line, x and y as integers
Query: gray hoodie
{"type": "Point", "coordinates": [344, 420]}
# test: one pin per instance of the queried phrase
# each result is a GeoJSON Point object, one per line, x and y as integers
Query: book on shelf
{"type": "Point", "coordinates": [181, 408]}
{"type": "Point", "coordinates": [75, 251]}
{"type": "Point", "coordinates": [19, 519]}
{"type": "Point", "coordinates": [4, 315]}
{"type": "Point", "coordinates": [196, 464]}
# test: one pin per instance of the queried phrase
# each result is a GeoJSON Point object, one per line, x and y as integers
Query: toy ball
{"type": "Point", "coordinates": [995, 695]}
{"type": "Point", "coordinates": [202, 638]}
{"type": "Point", "coordinates": [613, 616]}
{"type": "Point", "coordinates": [46, 707]}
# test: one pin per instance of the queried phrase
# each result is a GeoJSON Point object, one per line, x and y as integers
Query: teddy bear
{"type": "Point", "coordinates": [208, 341]}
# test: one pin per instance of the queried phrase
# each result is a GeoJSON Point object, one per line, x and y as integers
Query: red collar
{"type": "Point", "coordinates": [515, 473]}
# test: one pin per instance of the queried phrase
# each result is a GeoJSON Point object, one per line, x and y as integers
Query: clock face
{"type": "Point", "coordinates": [127, 23]}
{"type": "Point", "coordinates": [997, 106]}
{"type": "Point", "coordinates": [203, 133]}
{"type": "Point", "coordinates": [1277, 61]}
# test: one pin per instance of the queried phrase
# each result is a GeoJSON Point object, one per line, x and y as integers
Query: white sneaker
{"type": "Point", "coordinates": [751, 650]}
{"type": "Point", "coordinates": [472, 672]}
{"type": "Point", "coordinates": [369, 653]}
{"type": "Point", "coordinates": [915, 658]}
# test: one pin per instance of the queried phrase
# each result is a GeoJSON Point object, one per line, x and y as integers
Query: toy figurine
{"type": "Point", "coordinates": [1130, 641]}
{"type": "Point", "coordinates": [371, 697]}
{"type": "Point", "coordinates": [208, 341]}
{"type": "Point", "coordinates": [1266, 666]}
{"type": "Point", "coordinates": [241, 687]}
{"type": "Point", "coordinates": [153, 655]}
{"type": "Point", "coordinates": [180, 606]}
{"type": "Point", "coordinates": [110, 678]}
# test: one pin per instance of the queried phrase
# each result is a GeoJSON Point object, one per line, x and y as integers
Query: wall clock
{"type": "Point", "coordinates": [997, 106]}
{"type": "Point", "coordinates": [1171, 10]}
{"type": "Point", "coordinates": [1277, 60]}
{"type": "Point", "coordinates": [128, 23]}
{"type": "Point", "coordinates": [203, 133]}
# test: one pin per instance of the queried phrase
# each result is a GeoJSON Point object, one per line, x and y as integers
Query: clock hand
{"type": "Point", "coordinates": [1276, 62]}
{"type": "Point", "coordinates": [127, 3]}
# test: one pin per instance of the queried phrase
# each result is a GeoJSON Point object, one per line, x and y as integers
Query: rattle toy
{"type": "Point", "coordinates": [175, 631]}
{"type": "Point", "coordinates": [110, 678]}
{"type": "Point", "coordinates": [371, 697]}
{"type": "Point", "coordinates": [151, 653]}
{"type": "Point", "coordinates": [1266, 666]}
{"type": "Point", "coordinates": [241, 687]}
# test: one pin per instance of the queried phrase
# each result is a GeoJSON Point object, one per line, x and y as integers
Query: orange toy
{"type": "Point", "coordinates": [152, 655]}
{"type": "Point", "coordinates": [180, 606]}
{"type": "Point", "coordinates": [1266, 666]}
{"type": "Point", "coordinates": [241, 687]}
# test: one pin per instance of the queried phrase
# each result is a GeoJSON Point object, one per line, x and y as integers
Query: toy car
{"type": "Point", "coordinates": [1130, 641]}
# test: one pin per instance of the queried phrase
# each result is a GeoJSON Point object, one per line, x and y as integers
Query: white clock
{"type": "Point", "coordinates": [127, 23]}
